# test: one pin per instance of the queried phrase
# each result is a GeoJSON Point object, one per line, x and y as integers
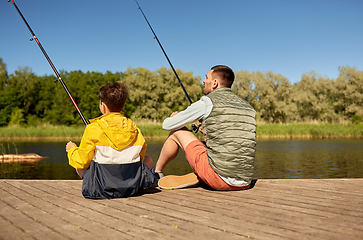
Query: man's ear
{"type": "Point", "coordinates": [215, 83]}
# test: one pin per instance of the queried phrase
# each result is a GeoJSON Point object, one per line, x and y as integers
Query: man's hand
{"type": "Point", "coordinates": [173, 114]}
{"type": "Point", "coordinates": [200, 127]}
{"type": "Point", "coordinates": [70, 145]}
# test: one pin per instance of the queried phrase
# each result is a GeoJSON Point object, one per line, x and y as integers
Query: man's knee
{"type": "Point", "coordinates": [183, 137]}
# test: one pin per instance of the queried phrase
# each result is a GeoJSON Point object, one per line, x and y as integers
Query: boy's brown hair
{"type": "Point", "coordinates": [114, 96]}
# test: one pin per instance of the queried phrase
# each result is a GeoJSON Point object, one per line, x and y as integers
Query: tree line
{"type": "Point", "coordinates": [313, 98]}
{"type": "Point", "coordinates": [28, 99]}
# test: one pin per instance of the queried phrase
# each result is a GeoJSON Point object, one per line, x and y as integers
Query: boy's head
{"type": "Point", "coordinates": [114, 96]}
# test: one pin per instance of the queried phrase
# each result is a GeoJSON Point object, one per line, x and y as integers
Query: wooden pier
{"type": "Point", "coordinates": [272, 209]}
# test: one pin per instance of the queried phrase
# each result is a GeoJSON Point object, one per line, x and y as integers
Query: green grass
{"type": "Point", "coordinates": [46, 131]}
{"type": "Point", "coordinates": [151, 129]}
{"type": "Point", "coordinates": [148, 129]}
{"type": "Point", "coordinates": [154, 130]}
{"type": "Point", "coordinates": [307, 130]}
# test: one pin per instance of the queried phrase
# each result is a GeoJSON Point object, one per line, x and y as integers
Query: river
{"type": "Point", "coordinates": [275, 159]}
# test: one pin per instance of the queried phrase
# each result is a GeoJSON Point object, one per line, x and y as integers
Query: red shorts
{"type": "Point", "coordinates": [196, 155]}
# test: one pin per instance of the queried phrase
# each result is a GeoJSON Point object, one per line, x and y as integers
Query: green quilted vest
{"type": "Point", "coordinates": [230, 135]}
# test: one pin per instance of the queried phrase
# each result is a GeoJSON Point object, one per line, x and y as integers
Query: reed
{"type": "Point", "coordinates": [7, 148]}
{"type": "Point", "coordinates": [40, 132]}
{"type": "Point", "coordinates": [307, 130]}
{"type": "Point", "coordinates": [154, 130]}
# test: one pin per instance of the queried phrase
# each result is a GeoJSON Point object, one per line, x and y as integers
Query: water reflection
{"type": "Point", "coordinates": [317, 158]}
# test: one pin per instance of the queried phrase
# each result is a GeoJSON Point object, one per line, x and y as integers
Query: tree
{"type": "Point", "coordinates": [29, 86]}
{"type": "Point", "coordinates": [17, 117]}
{"type": "Point", "coordinates": [348, 93]}
{"type": "Point", "coordinates": [155, 95]}
{"type": "Point", "coordinates": [312, 96]}
{"type": "Point", "coordinates": [10, 99]}
{"type": "Point", "coordinates": [3, 75]}
{"type": "Point", "coordinates": [268, 93]}
{"type": "Point", "coordinates": [244, 86]}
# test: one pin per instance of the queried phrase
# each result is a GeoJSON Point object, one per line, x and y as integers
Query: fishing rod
{"type": "Point", "coordinates": [194, 128]}
{"type": "Point", "coordinates": [51, 64]}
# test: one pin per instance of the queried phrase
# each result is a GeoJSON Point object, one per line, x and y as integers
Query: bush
{"type": "Point", "coordinates": [356, 119]}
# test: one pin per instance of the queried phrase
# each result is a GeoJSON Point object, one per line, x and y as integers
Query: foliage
{"type": "Point", "coordinates": [27, 99]}
{"type": "Point", "coordinates": [314, 98]}
{"type": "Point", "coordinates": [17, 117]}
{"type": "Point", "coordinates": [155, 95]}
{"type": "Point", "coordinates": [356, 119]}
{"type": "Point", "coordinates": [3, 74]}
{"type": "Point", "coordinates": [10, 99]}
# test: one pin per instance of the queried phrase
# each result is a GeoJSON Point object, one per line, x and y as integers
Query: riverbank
{"type": "Point", "coordinates": [154, 130]}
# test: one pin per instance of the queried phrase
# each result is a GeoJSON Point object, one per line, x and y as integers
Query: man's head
{"type": "Point", "coordinates": [218, 76]}
{"type": "Point", "coordinates": [114, 96]}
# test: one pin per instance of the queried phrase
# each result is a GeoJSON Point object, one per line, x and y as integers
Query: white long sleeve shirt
{"type": "Point", "coordinates": [198, 110]}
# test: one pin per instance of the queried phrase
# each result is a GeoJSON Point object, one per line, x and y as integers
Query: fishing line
{"type": "Point", "coordinates": [194, 127]}
{"type": "Point", "coordinates": [59, 114]}
{"type": "Point", "coordinates": [51, 64]}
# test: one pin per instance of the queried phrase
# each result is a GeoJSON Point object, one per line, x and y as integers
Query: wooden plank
{"type": "Point", "coordinates": [21, 215]}
{"type": "Point", "coordinates": [238, 215]}
{"type": "Point", "coordinates": [261, 212]}
{"type": "Point", "coordinates": [9, 231]}
{"type": "Point", "coordinates": [46, 213]}
{"type": "Point", "coordinates": [273, 209]}
{"type": "Point", "coordinates": [169, 225]}
{"type": "Point", "coordinates": [181, 218]}
{"type": "Point", "coordinates": [74, 210]}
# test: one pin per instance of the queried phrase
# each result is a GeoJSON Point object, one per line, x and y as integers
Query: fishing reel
{"type": "Point", "coordinates": [194, 128]}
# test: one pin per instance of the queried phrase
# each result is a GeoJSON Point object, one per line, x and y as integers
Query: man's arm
{"type": "Point", "coordinates": [198, 110]}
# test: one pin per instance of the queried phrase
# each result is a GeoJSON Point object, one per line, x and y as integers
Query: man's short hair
{"type": "Point", "coordinates": [224, 74]}
{"type": "Point", "coordinates": [114, 96]}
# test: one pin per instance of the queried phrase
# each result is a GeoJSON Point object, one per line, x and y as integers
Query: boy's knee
{"type": "Point", "coordinates": [80, 172]}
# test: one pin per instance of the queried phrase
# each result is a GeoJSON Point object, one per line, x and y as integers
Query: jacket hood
{"type": "Point", "coordinates": [120, 131]}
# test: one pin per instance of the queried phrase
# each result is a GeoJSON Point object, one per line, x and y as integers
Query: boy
{"type": "Point", "coordinates": [111, 156]}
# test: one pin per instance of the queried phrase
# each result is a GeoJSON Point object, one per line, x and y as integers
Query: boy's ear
{"type": "Point", "coordinates": [103, 108]}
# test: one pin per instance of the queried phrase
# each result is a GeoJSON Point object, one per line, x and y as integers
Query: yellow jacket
{"type": "Point", "coordinates": [109, 139]}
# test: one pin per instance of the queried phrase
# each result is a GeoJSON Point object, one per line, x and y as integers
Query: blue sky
{"type": "Point", "coordinates": [286, 36]}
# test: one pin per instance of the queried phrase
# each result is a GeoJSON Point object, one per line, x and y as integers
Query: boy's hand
{"type": "Point", "coordinates": [70, 145]}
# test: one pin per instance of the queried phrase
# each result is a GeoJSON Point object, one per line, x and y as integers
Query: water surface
{"type": "Point", "coordinates": [275, 159]}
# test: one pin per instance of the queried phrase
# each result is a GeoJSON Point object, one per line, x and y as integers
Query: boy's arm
{"type": "Point", "coordinates": [81, 157]}
{"type": "Point", "coordinates": [143, 152]}
{"type": "Point", "coordinates": [69, 145]}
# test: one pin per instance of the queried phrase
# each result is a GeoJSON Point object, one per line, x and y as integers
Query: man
{"type": "Point", "coordinates": [228, 123]}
